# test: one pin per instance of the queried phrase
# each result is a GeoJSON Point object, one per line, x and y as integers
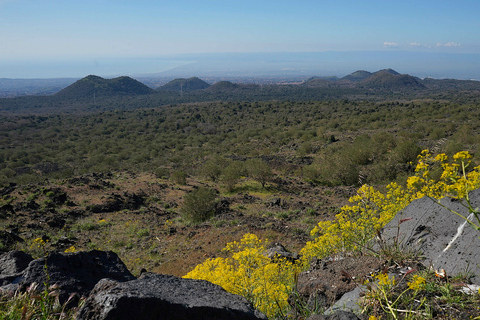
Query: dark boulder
{"type": "Point", "coordinates": [11, 266]}
{"type": "Point", "coordinates": [76, 272]}
{"type": "Point", "coordinates": [156, 296]}
{"type": "Point", "coordinates": [14, 262]}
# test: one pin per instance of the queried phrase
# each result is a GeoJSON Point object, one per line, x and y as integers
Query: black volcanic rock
{"type": "Point", "coordinates": [14, 262]}
{"type": "Point", "coordinates": [93, 85]}
{"type": "Point", "coordinates": [75, 272]}
{"type": "Point", "coordinates": [157, 296]}
{"type": "Point", "coordinates": [186, 85]}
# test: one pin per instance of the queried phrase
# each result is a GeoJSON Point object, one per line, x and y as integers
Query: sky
{"type": "Point", "coordinates": [74, 30]}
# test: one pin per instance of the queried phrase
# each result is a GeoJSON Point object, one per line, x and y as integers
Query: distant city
{"type": "Point", "coordinates": [251, 66]}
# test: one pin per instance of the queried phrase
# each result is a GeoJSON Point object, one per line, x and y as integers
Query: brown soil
{"type": "Point", "coordinates": [137, 216]}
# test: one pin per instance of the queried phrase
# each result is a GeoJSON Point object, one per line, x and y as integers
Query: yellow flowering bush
{"type": "Point", "coordinates": [248, 272]}
{"type": "Point", "coordinates": [267, 284]}
{"type": "Point", "coordinates": [371, 209]}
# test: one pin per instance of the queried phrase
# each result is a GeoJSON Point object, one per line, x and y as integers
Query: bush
{"type": "Point", "coordinates": [248, 272]}
{"type": "Point", "coordinates": [199, 205]}
{"type": "Point", "coordinates": [179, 177]}
{"type": "Point", "coordinates": [231, 175]}
{"type": "Point", "coordinates": [371, 210]}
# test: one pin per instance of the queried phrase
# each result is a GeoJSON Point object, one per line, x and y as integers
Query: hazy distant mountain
{"type": "Point", "coordinates": [391, 71]}
{"type": "Point", "coordinates": [223, 85]}
{"type": "Point", "coordinates": [94, 85]}
{"type": "Point", "coordinates": [319, 82]}
{"type": "Point", "coordinates": [358, 75]}
{"type": "Point", "coordinates": [390, 79]}
{"type": "Point", "coordinates": [186, 85]}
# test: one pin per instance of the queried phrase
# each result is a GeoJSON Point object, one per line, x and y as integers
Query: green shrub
{"type": "Point", "coordinates": [180, 177]}
{"type": "Point", "coordinates": [231, 175]}
{"type": "Point", "coordinates": [199, 205]}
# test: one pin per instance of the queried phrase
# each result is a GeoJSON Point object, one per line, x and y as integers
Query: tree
{"type": "Point", "coordinates": [211, 170]}
{"type": "Point", "coordinates": [259, 170]}
{"type": "Point", "coordinates": [231, 175]}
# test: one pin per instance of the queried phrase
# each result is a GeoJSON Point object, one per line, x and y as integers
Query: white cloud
{"type": "Point", "coordinates": [451, 44]}
{"type": "Point", "coordinates": [448, 44]}
{"type": "Point", "coordinates": [390, 44]}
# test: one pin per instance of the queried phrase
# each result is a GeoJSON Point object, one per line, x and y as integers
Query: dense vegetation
{"type": "Point", "coordinates": [334, 142]}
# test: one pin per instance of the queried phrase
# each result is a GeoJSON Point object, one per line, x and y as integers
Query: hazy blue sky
{"type": "Point", "coordinates": [67, 29]}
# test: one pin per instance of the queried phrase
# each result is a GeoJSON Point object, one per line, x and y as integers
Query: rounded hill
{"type": "Point", "coordinates": [187, 85]}
{"type": "Point", "coordinates": [100, 87]}
{"type": "Point", "coordinates": [385, 79]}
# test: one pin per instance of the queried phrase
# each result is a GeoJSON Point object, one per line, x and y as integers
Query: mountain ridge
{"type": "Point", "coordinates": [187, 85]}
{"type": "Point", "coordinates": [94, 85]}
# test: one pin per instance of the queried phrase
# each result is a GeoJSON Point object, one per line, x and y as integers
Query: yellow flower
{"type": "Point", "coordinates": [416, 283]}
{"type": "Point", "coordinates": [441, 157]}
{"type": "Point", "coordinates": [462, 155]}
{"type": "Point", "coordinates": [39, 241]}
{"type": "Point", "coordinates": [385, 280]}
{"type": "Point", "coordinates": [71, 249]}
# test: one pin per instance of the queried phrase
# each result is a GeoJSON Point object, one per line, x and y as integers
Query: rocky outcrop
{"type": "Point", "coordinates": [444, 239]}
{"type": "Point", "coordinates": [72, 272]}
{"type": "Point", "coordinates": [112, 292]}
{"type": "Point", "coordinates": [156, 296]}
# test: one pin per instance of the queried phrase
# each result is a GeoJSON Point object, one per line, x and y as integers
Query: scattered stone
{"type": "Point", "coordinates": [277, 251]}
{"type": "Point", "coordinates": [222, 206]}
{"type": "Point", "coordinates": [8, 189]}
{"type": "Point", "coordinates": [328, 280]}
{"type": "Point", "coordinates": [348, 302]}
{"type": "Point", "coordinates": [6, 209]}
{"type": "Point", "coordinates": [156, 296]}
{"type": "Point", "coordinates": [338, 315]}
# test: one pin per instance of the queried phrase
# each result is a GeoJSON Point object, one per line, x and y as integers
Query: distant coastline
{"type": "Point", "coordinates": [270, 64]}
